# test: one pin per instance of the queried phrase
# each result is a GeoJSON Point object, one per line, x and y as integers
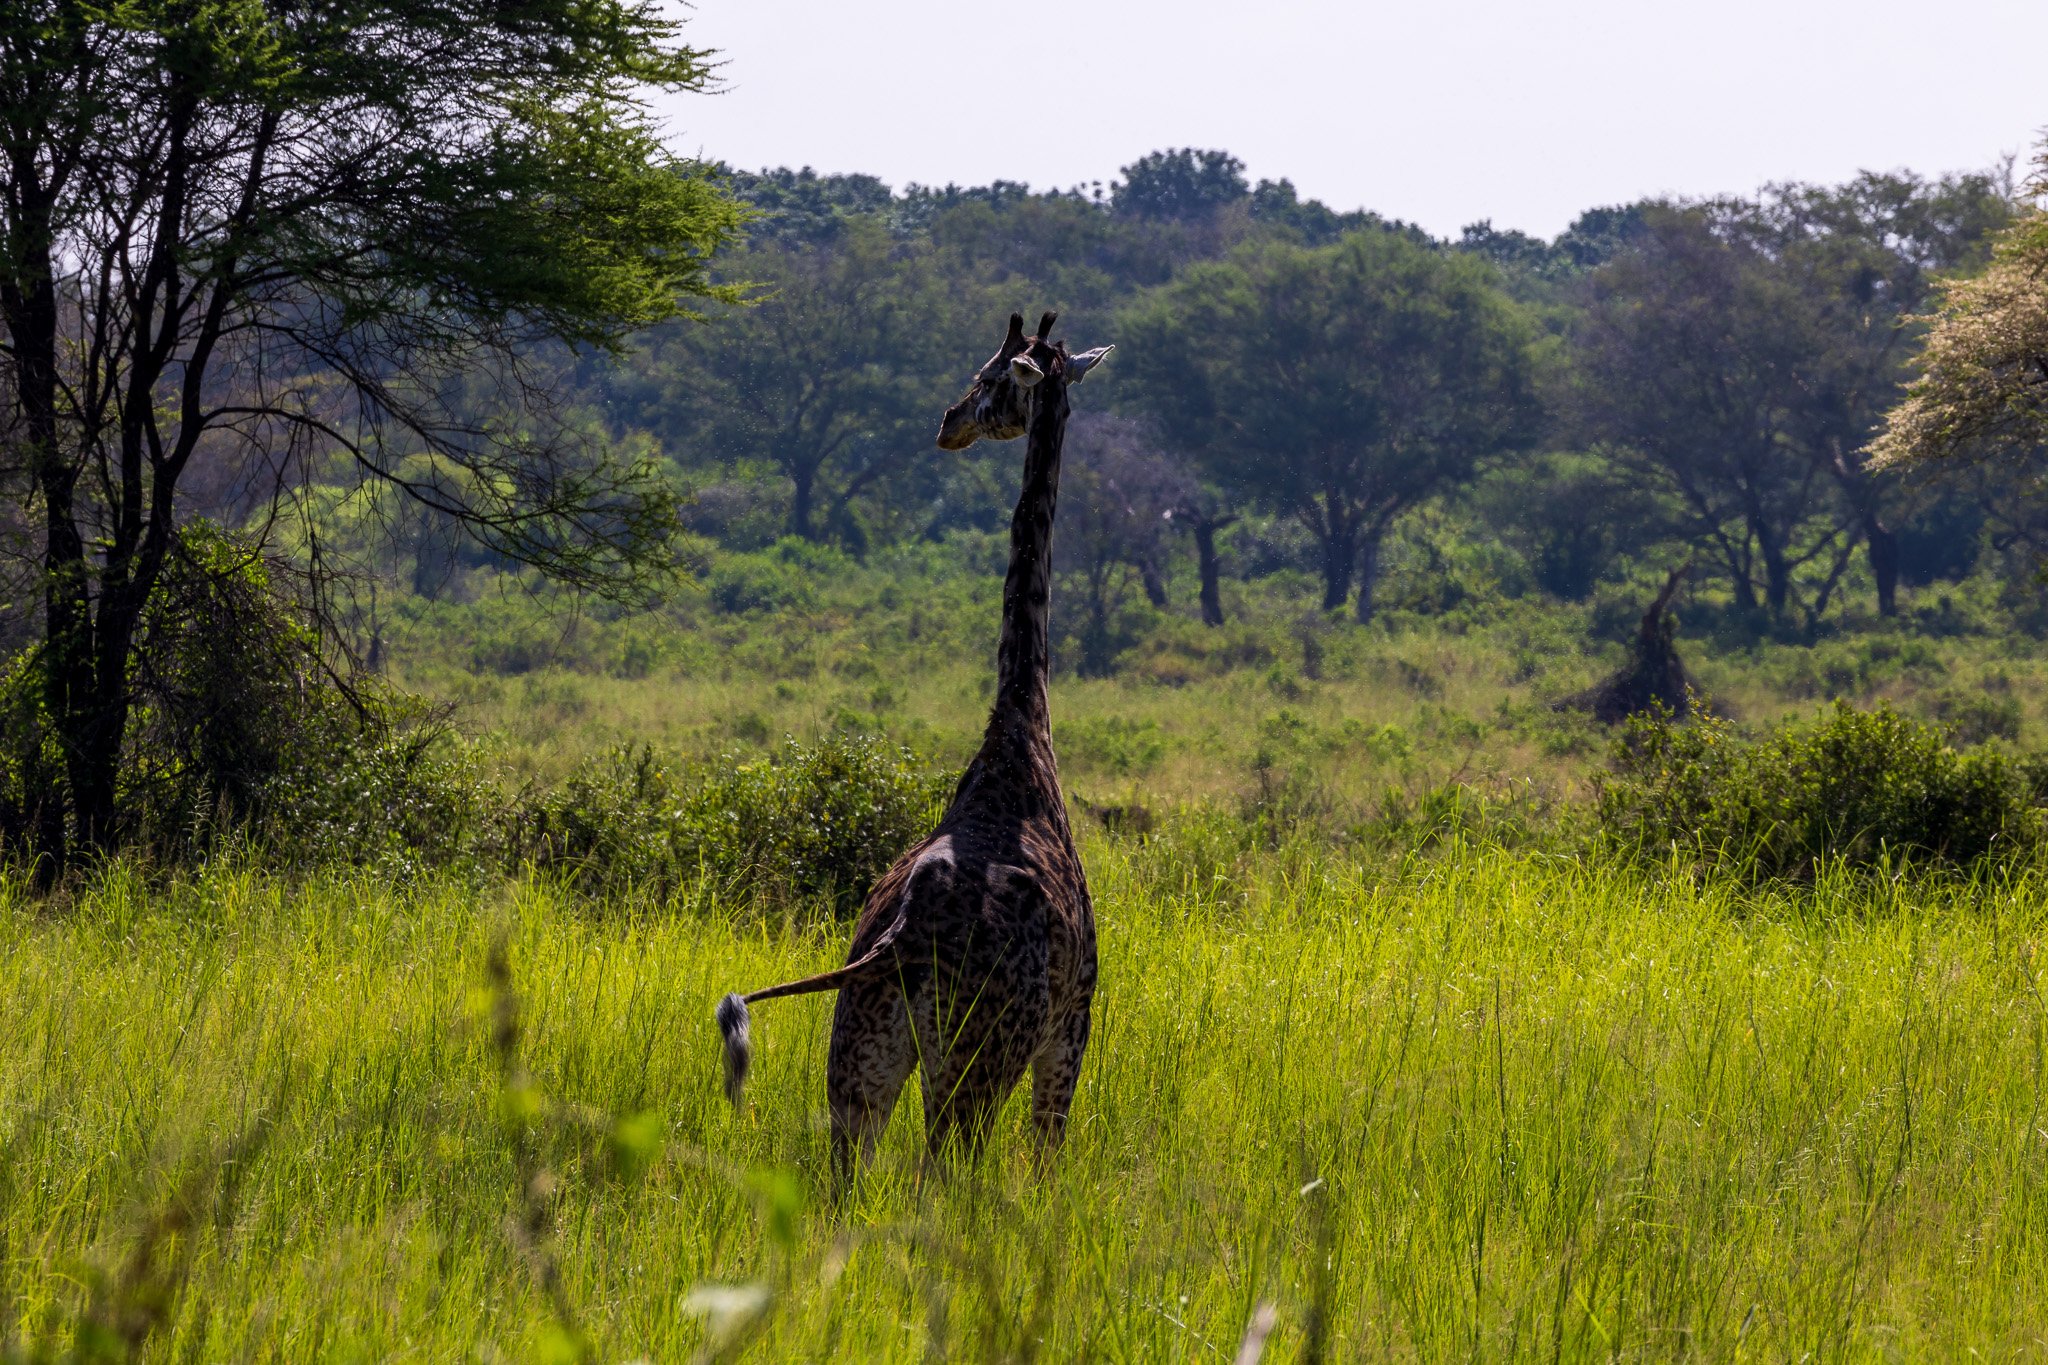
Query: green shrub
{"type": "Point", "coordinates": [407, 800]}
{"type": "Point", "coordinates": [511, 648]}
{"type": "Point", "coordinates": [1455, 811]}
{"type": "Point", "coordinates": [1283, 806]}
{"type": "Point", "coordinates": [820, 821]}
{"type": "Point", "coordinates": [1976, 714]}
{"type": "Point", "coordinates": [1853, 667]}
{"type": "Point", "coordinates": [1855, 786]}
{"type": "Point", "coordinates": [743, 583]}
{"type": "Point", "coordinates": [1114, 744]}
{"type": "Point", "coordinates": [610, 827]}
{"type": "Point", "coordinates": [240, 728]}
{"type": "Point", "coordinates": [815, 824]}
{"type": "Point", "coordinates": [230, 694]}
{"type": "Point", "coordinates": [31, 815]}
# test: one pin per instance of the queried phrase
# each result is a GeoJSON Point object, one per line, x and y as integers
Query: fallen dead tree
{"type": "Point", "coordinates": [1653, 675]}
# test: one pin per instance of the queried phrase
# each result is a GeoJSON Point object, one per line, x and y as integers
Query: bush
{"type": "Point", "coordinates": [405, 800]}
{"type": "Point", "coordinates": [230, 694]}
{"type": "Point", "coordinates": [744, 583]}
{"type": "Point", "coordinates": [1853, 667]}
{"type": "Point", "coordinates": [31, 816]}
{"type": "Point", "coordinates": [1976, 714]}
{"type": "Point", "coordinates": [1447, 812]}
{"type": "Point", "coordinates": [818, 823]}
{"type": "Point", "coordinates": [240, 728]}
{"type": "Point", "coordinates": [1855, 786]}
{"type": "Point", "coordinates": [1114, 744]}
{"type": "Point", "coordinates": [609, 827]}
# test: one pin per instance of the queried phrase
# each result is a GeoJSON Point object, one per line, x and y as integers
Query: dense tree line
{"type": "Point", "coordinates": [413, 288]}
{"type": "Point", "coordinates": [260, 259]}
{"type": "Point", "coordinates": [1663, 381]}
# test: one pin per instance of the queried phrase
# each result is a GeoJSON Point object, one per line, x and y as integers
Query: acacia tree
{"type": "Point", "coordinates": [829, 380]}
{"type": "Point", "coordinates": [317, 239]}
{"type": "Point", "coordinates": [1116, 502]}
{"type": "Point", "coordinates": [1865, 257]}
{"type": "Point", "coordinates": [1688, 355]}
{"type": "Point", "coordinates": [1737, 353]}
{"type": "Point", "coordinates": [1201, 514]}
{"type": "Point", "coordinates": [1342, 384]}
{"type": "Point", "coordinates": [1982, 390]}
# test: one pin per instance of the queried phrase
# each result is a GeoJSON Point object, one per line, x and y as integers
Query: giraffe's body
{"type": "Point", "coordinates": [975, 952]}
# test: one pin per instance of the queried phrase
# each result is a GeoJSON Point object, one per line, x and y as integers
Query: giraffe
{"type": "Point", "coordinates": [974, 956]}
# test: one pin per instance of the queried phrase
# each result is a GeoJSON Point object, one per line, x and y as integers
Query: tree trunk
{"type": "Point", "coordinates": [1340, 554]}
{"type": "Point", "coordinates": [1745, 591]}
{"type": "Point", "coordinates": [68, 650]}
{"type": "Point", "coordinates": [1155, 585]}
{"type": "Point", "coordinates": [95, 768]}
{"type": "Point", "coordinates": [29, 300]}
{"type": "Point", "coordinates": [1883, 544]}
{"type": "Point", "coordinates": [1826, 592]}
{"type": "Point", "coordinates": [1777, 575]}
{"type": "Point", "coordinates": [1368, 575]}
{"type": "Point", "coordinates": [1865, 492]}
{"type": "Point", "coordinates": [1096, 655]}
{"type": "Point", "coordinates": [802, 505]}
{"type": "Point", "coordinates": [105, 726]}
{"type": "Point", "coordinates": [1205, 560]}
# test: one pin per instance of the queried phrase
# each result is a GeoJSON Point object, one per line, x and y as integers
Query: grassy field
{"type": "Point", "coordinates": [1475, 1106]}
{"type": "Point", "coordinates": [1396, 1089]}
{"type": "Point", "coordinates": [904, 645]}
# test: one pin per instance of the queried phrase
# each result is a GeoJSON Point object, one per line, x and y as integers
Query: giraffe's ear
{"type": "Point", "coordinates": [1025, 371]}
{"type": "Point", "coordinates": [1079, 365]}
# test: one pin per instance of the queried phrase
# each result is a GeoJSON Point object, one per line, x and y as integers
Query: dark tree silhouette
{"type": "Point", "coordinates": [1342, 385]}
{"type": "Point", "coordinates": [321, 241]}
{"type": "Point", "coordinates": [1118, 490]}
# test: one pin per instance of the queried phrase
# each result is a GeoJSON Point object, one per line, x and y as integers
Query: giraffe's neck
{"type": "Point", "coordinates": [1023, 655]}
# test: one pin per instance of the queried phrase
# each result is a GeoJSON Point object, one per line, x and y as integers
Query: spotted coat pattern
{"type": "Point", "coordinates": [974, 957]}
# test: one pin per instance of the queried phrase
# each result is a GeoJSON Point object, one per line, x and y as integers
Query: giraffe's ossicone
{"type": "Point", "coordinates": [974, 957]}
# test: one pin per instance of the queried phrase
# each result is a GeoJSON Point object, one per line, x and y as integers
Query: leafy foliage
{"type": "Point", "coordinates": [830, 379]}
{"type": "Point", "coordinates": [815, 825]}
{"type": "Point", "coordinates": [1183, 184]}
{"type": "Point", "coordinates": [242, 729]}
{"type": "Point", "coordinates": [1340, 385]}
{"type": "Point", "coordinates": [1854, 786]}
{"type": "Point", "coordinates": [1118, 493]}
{"type": "Point", "coordinates": [320, 249]}
{"type": "Point", "coordinates": [31, 811]}
{"type": "Point", "coordinates": [230, 692]}
{"type": "Point", "coordinates": [742, 583]}
{"type": "Point", "coordinates": [1983, 383]}
{"type": "Point", "coordinates": [1735, 354]}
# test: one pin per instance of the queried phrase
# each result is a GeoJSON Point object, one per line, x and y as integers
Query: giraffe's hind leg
{"type": "Point", "coordinates": [964, 1094]}
{"type": "Point", "coordinates": [1055, 1072]}
{"type": "Point", "coordinates": [874, 1049]}
{"type": "Point", "coordinates": [972, 1063]}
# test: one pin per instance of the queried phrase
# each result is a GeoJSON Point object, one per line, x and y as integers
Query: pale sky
{"type": "Point", "coordinates": [1439, 113]}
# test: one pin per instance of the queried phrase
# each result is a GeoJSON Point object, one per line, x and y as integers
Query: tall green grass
{"type": "Point", "coordinates": [1480, 1105]}
{"type": "Point", "coordinates": [903, 645]}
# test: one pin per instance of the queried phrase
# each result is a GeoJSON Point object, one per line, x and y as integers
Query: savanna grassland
{"type": "Point", "coordinates": [1554, 727]}
{"type": "Point", "coordinates": [1384, 1075]}
{"type": "Point", "coordinates": [801, 640]}
{"type": "Point", "coordinates": [1481, 1105]}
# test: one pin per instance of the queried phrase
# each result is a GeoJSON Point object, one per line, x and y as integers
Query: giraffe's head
{"type": "Point", "coordinates": [996, 404]}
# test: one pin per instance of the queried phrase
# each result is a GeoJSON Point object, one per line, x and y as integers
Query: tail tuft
{"type": "Point", "coordinates": [739, 1047]}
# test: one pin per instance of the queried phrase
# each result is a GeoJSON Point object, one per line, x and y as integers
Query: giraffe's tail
{"type": "Point", "coordinates": [739, 1045]}
{"type": "Point", "coordinates": [735, 1023]}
